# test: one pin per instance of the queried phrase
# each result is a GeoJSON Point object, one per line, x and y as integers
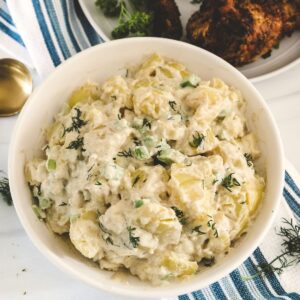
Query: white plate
{"type": "Point", "coordinates": [281, 60]}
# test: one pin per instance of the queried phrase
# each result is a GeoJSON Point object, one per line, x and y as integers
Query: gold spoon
{"type": "Point", "coordinates": [15, 86]}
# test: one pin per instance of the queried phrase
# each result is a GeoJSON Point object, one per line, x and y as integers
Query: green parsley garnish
{"type": "Point", "coordinates": [137, 23]}
{"type": "Point", "coordinates": [110, 8]}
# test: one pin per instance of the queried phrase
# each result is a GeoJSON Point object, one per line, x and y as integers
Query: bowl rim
{"type": "Point", "coordinates": [172, 289]}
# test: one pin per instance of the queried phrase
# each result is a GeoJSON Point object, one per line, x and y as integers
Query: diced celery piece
{"type": "Point", "coordinates": [44, 203]}
{"type": "Point", "coordinates": [141, 153]}
{"type": "Point", "coordinates": [51, 165]}
{"type": "Point", "coordinates": [191, 81]}
{"type": "Point", "coordinates": [38, 212]}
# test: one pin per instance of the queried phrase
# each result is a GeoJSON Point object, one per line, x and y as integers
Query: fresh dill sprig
{"type": "Point", "coordinates": [290, 252]}
{"type": "Point", "coordinates": [180, 215]}
{"type": "Point", "coordinates": [229, 182]}
{"type": "Point", "coordinates": [134, 240]}
{"type": "Point", "coordinates": [198, 139]}
{"type": "Point", "coordinates": [249, 159]}
{"type": "Point", "coordinates": [126, 153]}
{"type": "Point", "coordinates": [5, 191]}
{"type": "Point", "coordinates": [77, 122]}
{"type": "Point", "coordinates": [76, 144]}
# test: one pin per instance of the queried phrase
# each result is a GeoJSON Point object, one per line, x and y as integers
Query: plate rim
{"type": "Point", "coordinates": [255, 79]}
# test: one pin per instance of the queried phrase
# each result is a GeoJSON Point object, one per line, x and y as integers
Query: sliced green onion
{"type": "Point", "coordinates": [138, 203]}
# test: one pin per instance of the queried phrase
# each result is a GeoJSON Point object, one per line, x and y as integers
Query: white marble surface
{"type": "Point", "coordinates": [40, 279]}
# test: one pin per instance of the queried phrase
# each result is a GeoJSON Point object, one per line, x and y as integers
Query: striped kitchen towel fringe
{"type": "Point", "coordinates": [52, 31]}
{"type": "Point", "coordinates": [10, 39]}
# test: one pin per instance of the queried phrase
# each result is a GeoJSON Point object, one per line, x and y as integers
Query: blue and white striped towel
{"type": "Point", "coordinates": [44, 33]}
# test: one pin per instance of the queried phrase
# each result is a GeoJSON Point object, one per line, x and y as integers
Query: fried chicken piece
{"type": "Point", "coordinates": [241, 31]}
{"type": "Point", "coordinates": [166, 18]}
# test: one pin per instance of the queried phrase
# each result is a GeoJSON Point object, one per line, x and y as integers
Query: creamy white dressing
{"type": "Point", "coordinates": [153, 172]}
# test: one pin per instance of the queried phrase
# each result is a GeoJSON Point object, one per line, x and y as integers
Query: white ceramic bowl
{"type": "Point", "coordinates": [97, 64]}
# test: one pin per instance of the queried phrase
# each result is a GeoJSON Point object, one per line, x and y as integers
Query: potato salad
{"type": "Point", "coordinates": [153, 171]}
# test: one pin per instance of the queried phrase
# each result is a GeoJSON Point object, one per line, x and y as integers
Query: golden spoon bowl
{"type": "Point", "coordinates": [15, 86]}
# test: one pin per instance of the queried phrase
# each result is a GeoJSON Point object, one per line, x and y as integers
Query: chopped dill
{"type": "Point", "coordinates": [173, 105]}
{"type": "Point", "coordinates": [146, 123]}
{"type": "Point", "coordinates": [211, 223]}
{"type": "Point", "coordinates": [198, 139]}
{"type": "Point", "coordinates": [180, 215]}
{"type": "Point", "coordinates": [134, 240]}
{"type": "Point", "coordinates": [77, 122]}
{"type": "Point", "coordinates": [76, 144]}
{"type": "Point", "coordinates": [249, 159]}
{"type": "Point", "coordinates": [126, 153]}
{"type": "Point", "coordinates": [135, 181]}
{"type": "Point", "coordinates": [229, 182]}
{"type": "Point", "coordinates": [197, 229]}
